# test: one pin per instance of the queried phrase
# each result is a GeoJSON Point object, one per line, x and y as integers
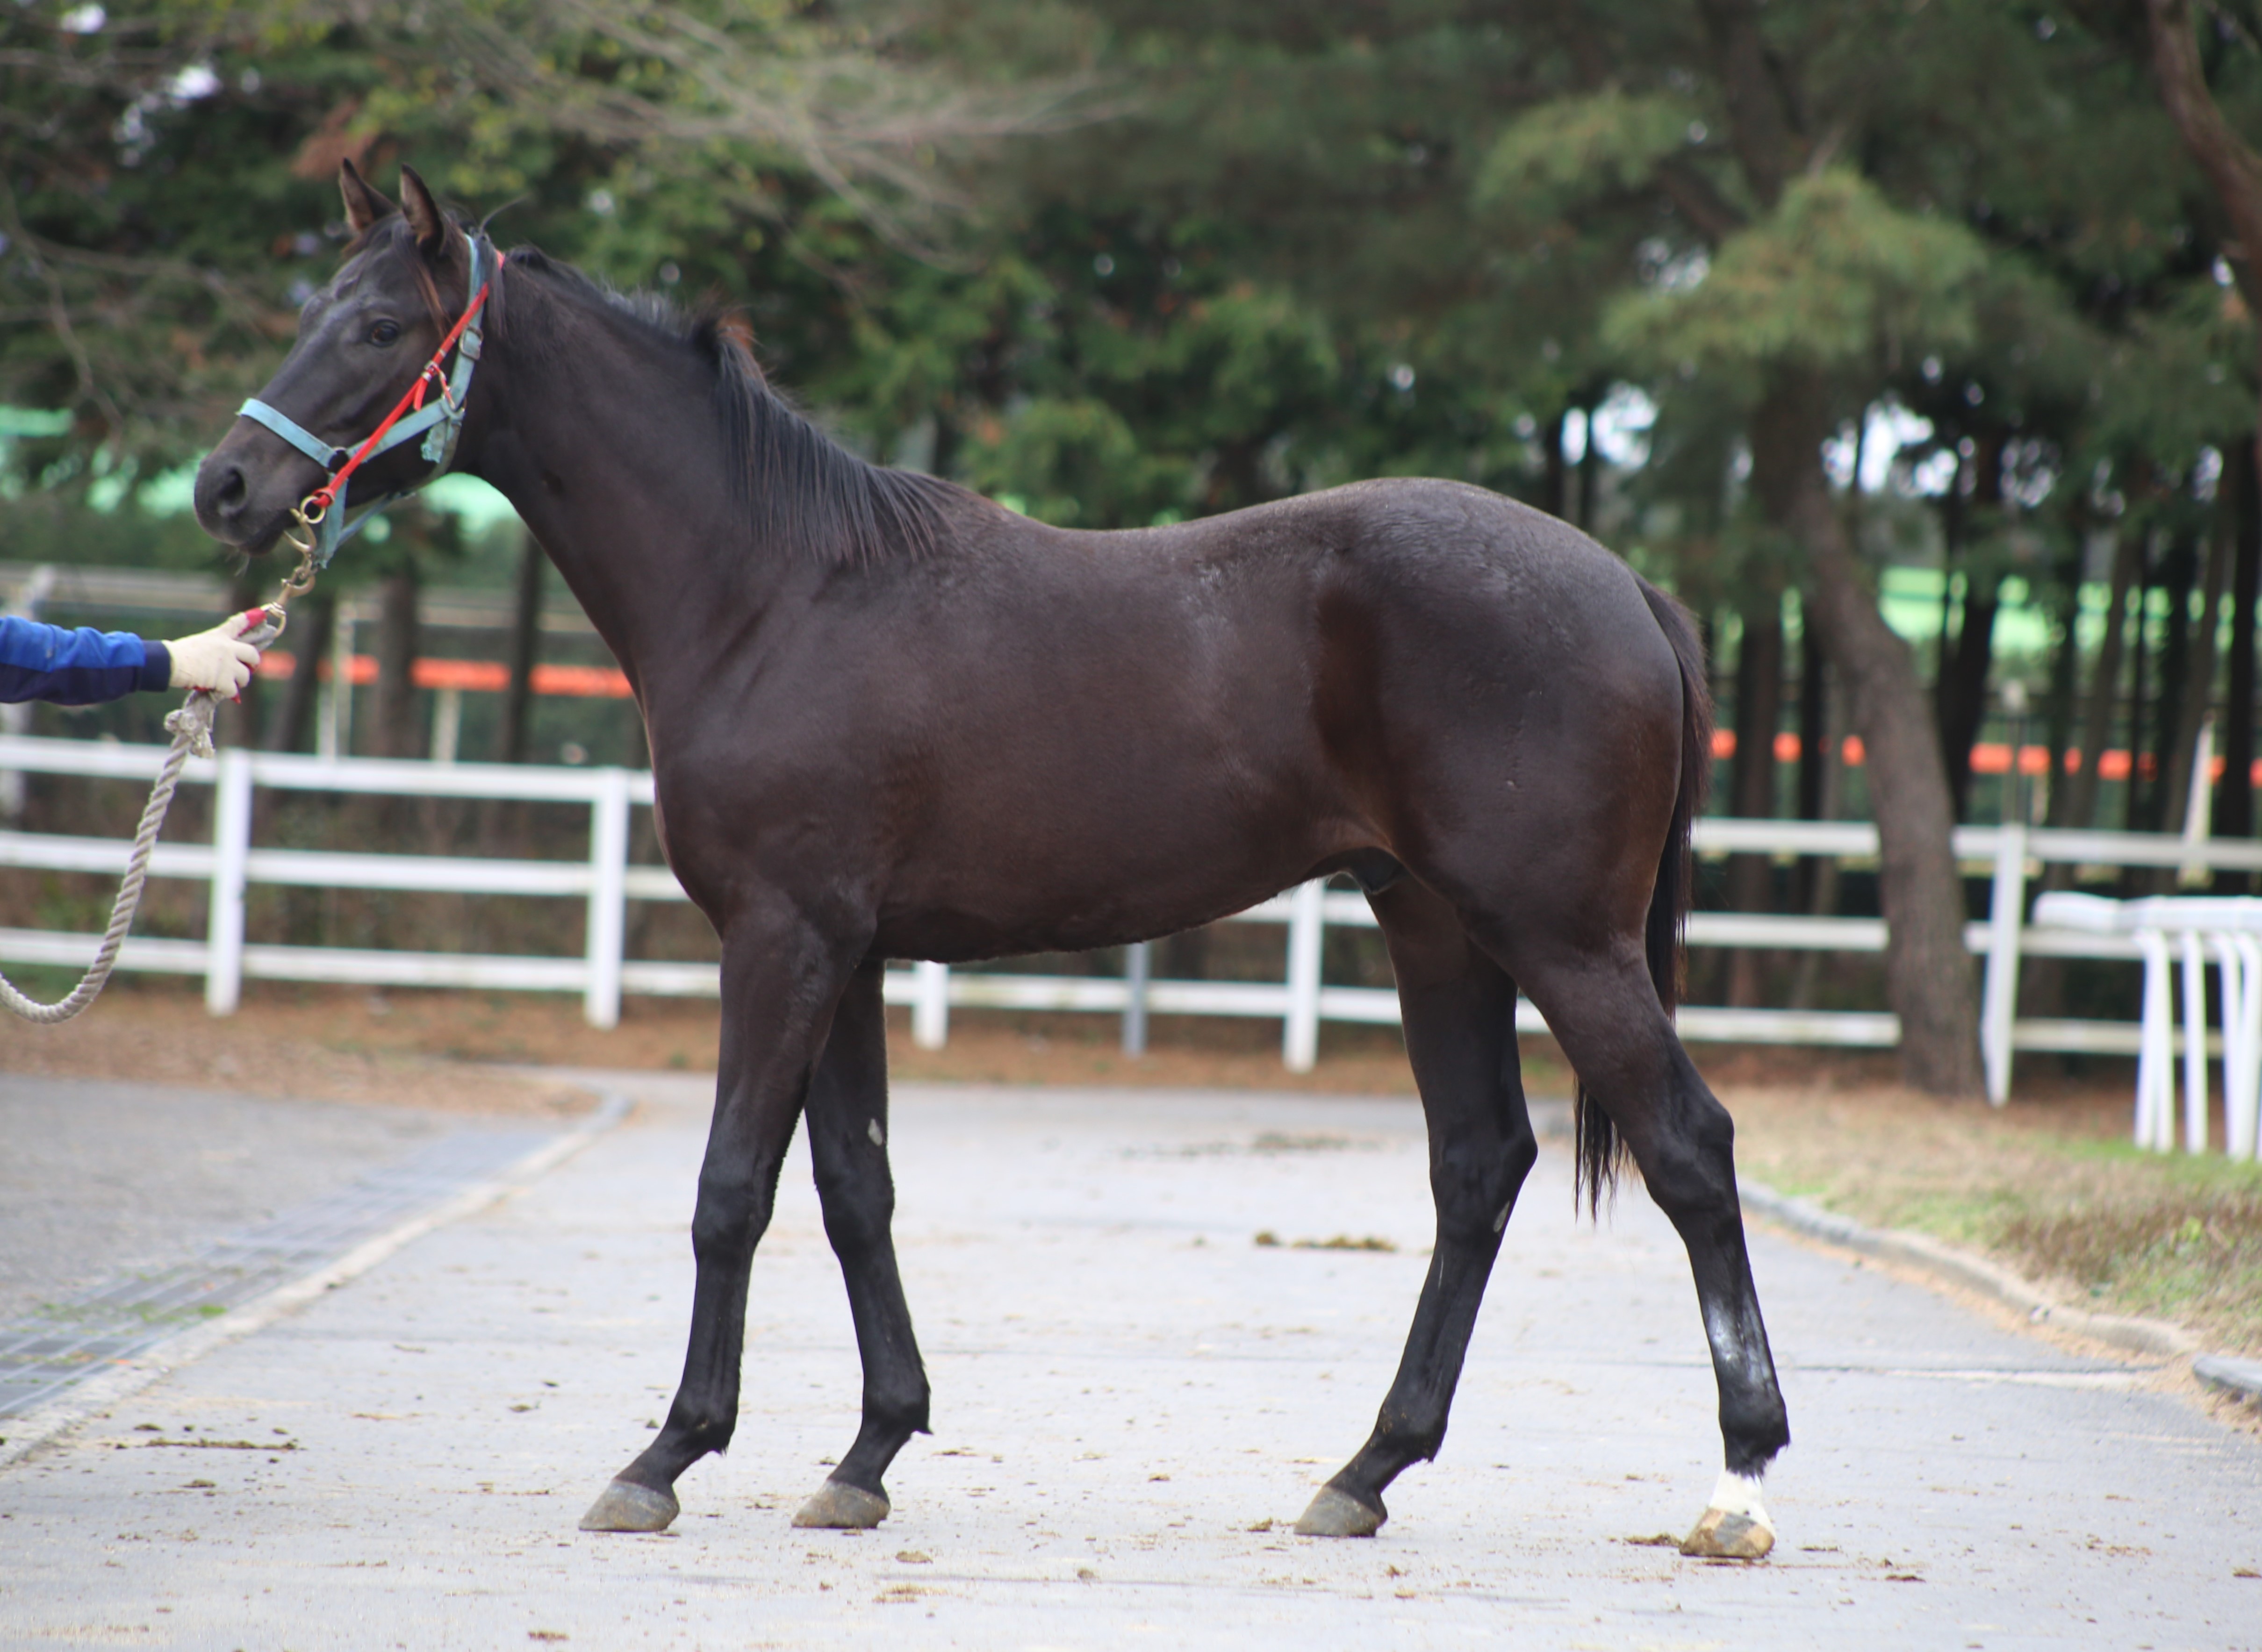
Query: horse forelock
{"type": "Point", "coordinates": [392, 235]}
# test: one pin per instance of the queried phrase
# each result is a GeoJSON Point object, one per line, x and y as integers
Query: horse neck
{"type": "Point", "coordinates": [603, 438]}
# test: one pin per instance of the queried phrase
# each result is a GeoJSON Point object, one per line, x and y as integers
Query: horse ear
{"type": "Point", "coordinates": [423, 213]}
{"type": "Point", "coordinates": [364, 204]}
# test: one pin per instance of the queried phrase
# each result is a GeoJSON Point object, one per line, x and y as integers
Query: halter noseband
{"type": "Point", "coordinates": [439, 424]}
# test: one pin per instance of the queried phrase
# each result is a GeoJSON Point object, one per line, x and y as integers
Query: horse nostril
{"type": "Point", "coordinates": [232, 491]}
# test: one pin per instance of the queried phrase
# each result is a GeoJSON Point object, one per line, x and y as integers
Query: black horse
{"type": "Point", "coordinates": [890, 719]}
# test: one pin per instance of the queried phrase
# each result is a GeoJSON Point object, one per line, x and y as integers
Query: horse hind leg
{"type": "Point", "coordinates": [847, 1115]}
{"type": "Point", "coordinates": [1459, 1013]}
{"type": "Point", "coordinates": [1605, 1013]}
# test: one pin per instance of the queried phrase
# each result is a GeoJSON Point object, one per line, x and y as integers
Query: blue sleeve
{"type": "Point", "coordinates": [81, 667]}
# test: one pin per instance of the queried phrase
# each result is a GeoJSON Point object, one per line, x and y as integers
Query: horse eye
{"type": "Point", "coordinates": [385, 332]}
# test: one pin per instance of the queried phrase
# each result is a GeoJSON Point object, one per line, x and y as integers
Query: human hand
{"type": "Point", "coordinates": [219, 659]}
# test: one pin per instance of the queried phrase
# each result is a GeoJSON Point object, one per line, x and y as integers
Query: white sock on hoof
{"type": "Point", "coordinates": [1739, 1494]}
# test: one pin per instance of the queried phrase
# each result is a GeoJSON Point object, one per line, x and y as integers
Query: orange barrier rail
{"type": "Point", "coordinates": [1989, 757]}
{"type": "Point", "coordinates": [607, 682]}
{"type": "Point", "coordinates": [481, 675]}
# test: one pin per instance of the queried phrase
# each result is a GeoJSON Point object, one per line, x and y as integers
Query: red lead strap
{"type": "Point", "coordinates": [327, 495]}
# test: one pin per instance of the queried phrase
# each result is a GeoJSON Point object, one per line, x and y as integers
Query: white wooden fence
{"type": "Point", "coordinates": [1300, 1000]}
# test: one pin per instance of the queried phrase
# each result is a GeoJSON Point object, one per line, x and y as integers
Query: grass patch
{"type": "Point", "coordinates": [2185, 1253]}
{"type": "Point", "coordinates": [2050, 1187]}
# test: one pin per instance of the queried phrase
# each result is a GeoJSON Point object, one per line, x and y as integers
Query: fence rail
{"type": "Point", "coordinates": [605, 882]}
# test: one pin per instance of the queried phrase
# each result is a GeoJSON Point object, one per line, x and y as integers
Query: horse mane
{"type": "Point", "coordinates": [799, 488]}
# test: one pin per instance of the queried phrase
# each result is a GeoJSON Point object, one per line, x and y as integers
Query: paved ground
{"type": "Point", "coordinates": [100, 1177]}
{"type": "Point", "coordinates": [1127, 1389]}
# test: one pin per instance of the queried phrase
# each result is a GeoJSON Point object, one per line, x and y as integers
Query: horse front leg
{"type": "Point", "coordinates": [781, 980]}
{"type": "Point", "coordinates": [847, 1113]}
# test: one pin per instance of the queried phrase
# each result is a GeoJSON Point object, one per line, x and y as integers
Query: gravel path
{"type": "Point", "coordinates": [1127, 1389]}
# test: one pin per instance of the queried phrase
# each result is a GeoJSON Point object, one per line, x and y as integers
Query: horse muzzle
{"type": "Point", "coordinates": [244, 497]}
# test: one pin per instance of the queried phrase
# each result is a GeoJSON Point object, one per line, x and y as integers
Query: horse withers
{"type": "Point", "coordinates": [890, 719]}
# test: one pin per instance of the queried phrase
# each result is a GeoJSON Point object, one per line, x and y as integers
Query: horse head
{"type": "Point", "coordinates": [363, 341]}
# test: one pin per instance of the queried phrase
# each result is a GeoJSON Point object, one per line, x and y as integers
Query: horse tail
{"type": "Point", "coordinates": [1600, 1152]}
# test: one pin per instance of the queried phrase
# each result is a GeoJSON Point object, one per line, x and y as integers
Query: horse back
{"type": "Point", "coordinates": [1038, 739]}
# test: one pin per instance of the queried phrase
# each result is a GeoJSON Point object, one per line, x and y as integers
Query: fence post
{"type": "Point", "coordinates": [1138, 966]}
{"type": "Point", "coordinates": [2240, 960]}
{"type": "Point", "coordinates": [2194, 1043]}
{"type": "Point", "coordinates": [930, 1005]}
{"type": "Point", "coordinates": [609, 862]}
{"type": "Point", "coordinates": [231, 850]}
{"type": "Point", "coordinates": [2155, 1059]}
{"type": "Point", "coordinates": [447, 724]}
{"type": "Point", "coordinates": [1999, 999]}
{"type": "Point", "coordinates": [1300, 1037]}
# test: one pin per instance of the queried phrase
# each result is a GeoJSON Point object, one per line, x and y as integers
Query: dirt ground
{"type": "Point", "coordinates": [345, 1042]}
{"type": "Point", "coordinates": [2047, 1184]}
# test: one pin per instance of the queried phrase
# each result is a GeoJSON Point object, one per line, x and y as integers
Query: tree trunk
{"type": "Point", "coordinates": [399, 731]}
{"type": "Point", "coordinates": [1962, 696]}
{"type": "Point", "coordinates": [2132, 801]}
{"type": "Point", "coordinates": [1554, 493]}
{"type": "Point", "coordinates": [1822, 788]}
{"type": "Point", "coordinates": [1759, 711]}
{"type": "Point", "coordinates": [1929, 978]}
{"type": "Point", "coordinates": [2234, 798]}
{"type": "Point", "coordinates": [311, 625]}
{"type": "Point", "coordinates": [1814, 752]}
{"type": "Point", "coordinates": [1590, 468]}
{"type": "Point", "coordinates": [2234, 171]}
{"type": "Point", "coordinates": [2197, 678]}
{"type": "Point", "coordinates": [2064, 678]}
{"type": "Point", "coordinates": [516, 731]}
{"type": "Point", "coordinates": [2179, 578]}
{"type": "Point", "coordinates": [2079, 793]}
{"type": "Point", "coordinates": [246, 718]}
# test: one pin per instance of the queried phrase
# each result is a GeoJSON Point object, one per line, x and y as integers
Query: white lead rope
{"type": "Point", "coordinates": [192, 726]}
{"type": "Point", "coordinates": [191, 730]}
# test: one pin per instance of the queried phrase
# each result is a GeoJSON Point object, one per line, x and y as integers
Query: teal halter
{"type": "Point", "coordinates": [323, 511]}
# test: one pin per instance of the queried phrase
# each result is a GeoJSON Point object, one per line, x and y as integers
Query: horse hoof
{"type": "Point", "coordinates": [840, 1507]}
{"type": "Point", "coordinates": [624, 1507]}
{"type": "Point", "coordinates": [1337, 1513]}
{"type": "Point", "coordinates": [1735, 1526]}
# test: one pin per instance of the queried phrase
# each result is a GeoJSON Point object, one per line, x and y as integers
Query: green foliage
{"type": "Point", "coordinates": [1075, 462]}
{"type": "Point", "coordinates": [170, 175]}
{"type": "Point", "coordinates": [1568, 151]}
{"type": "Point", "coordinates": [1833, 278]}
{"type": "Point", "coordinates": [1132, 259]}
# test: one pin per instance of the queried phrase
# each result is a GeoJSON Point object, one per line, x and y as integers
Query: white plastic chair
{"type": "Point", "coordinates": [2226, 928]}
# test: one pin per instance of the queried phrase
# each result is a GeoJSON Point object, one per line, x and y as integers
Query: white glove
{"type": "Point", "coordinates": [217, 659]}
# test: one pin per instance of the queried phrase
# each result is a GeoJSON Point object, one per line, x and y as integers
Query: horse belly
{"type": "Point", "coordinates": [1123, 842]}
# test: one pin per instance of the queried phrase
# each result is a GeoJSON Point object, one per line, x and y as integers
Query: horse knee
{"type": "Point", "coordinates": [1474, 1187]}
{"type": "Point", "coordinates": [733, 1210]}
{"type": "Point", "coordinates": [860, 1210]}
